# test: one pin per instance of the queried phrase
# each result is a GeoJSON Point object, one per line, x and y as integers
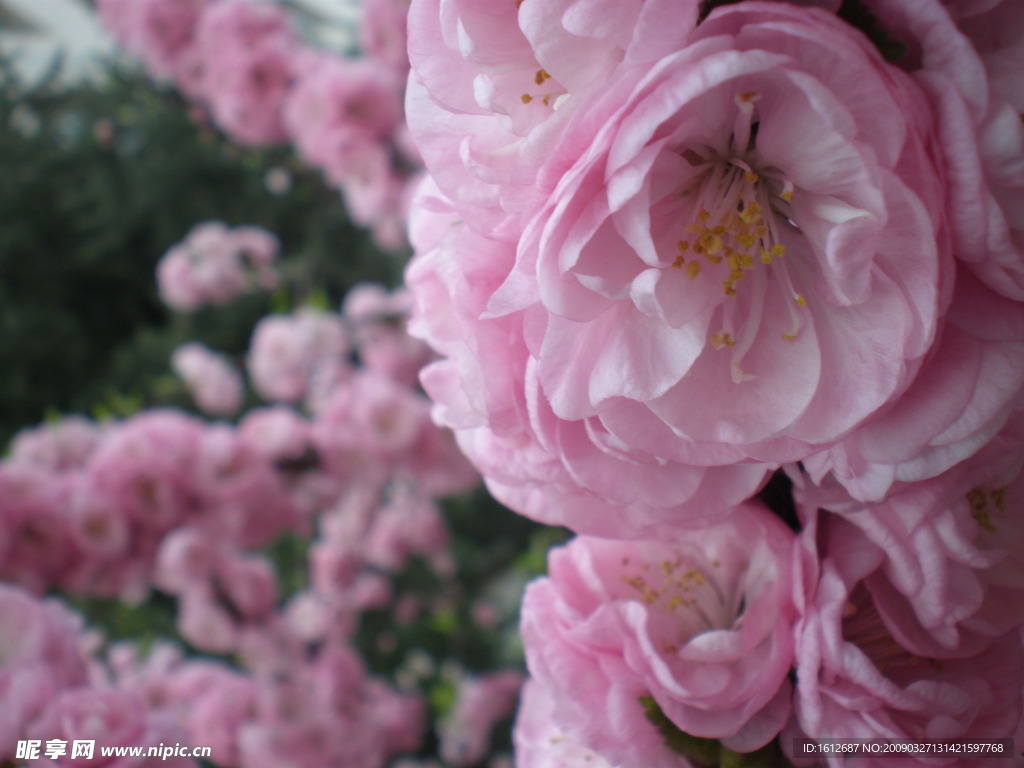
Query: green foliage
{"type": "Point", "coordinates": [145, 624]}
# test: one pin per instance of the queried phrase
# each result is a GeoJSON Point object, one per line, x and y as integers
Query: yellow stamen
{"type": "Point", "coordinates": [721, 339]}
{"type": "Point", "coordinates": [711, 243]}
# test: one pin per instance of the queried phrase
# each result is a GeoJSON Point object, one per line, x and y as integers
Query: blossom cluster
{"type": "Point", "coordinates": [295, 705]}
{"type": "Point", "coordinates": [262, 84]}
{"type": "Point", "coordinates": [680, 255]}
{"type": "Point", "coordinates": [347, 461]}
{"type": "Point", "coordinates": [215, 264]}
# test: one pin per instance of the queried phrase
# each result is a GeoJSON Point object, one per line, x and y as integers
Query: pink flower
{"type": "Point", "coordinates": [160, 32]}
{"type": "Point", "coordinates": [215, 264]}
{"type": "Point", "coordinates": [244, 500]}
{"type": "Point", "coordinates": [378, 321]}
{"type": "Point", "coordinates": [404, 527]}
{"type": "Point", "coordinates": [40, 655]}
{"type": "Point", "coordinates": [37, 549]}
{"type": "Point", "coordinates": [179, 288]}
{"type": "Point", "coordinates": [967, 56]}
{"type": "Point", "coordinates": [110, 717]}
{"type": "Point", "coordinates": [373, 415]}
{"type": "Point", "coordinates": [249, 585]}
{"type": "Point", "coordinates": [287, 350]}
{"type": "Point", "coordinates": [185, 560]}
{"type": "Point", "coordinates": [258, 248]}
{"type": "Point", "coordinates": [248, 52]}
{"type": "Point", "coordinates": [729, 252]}
{"type": "Point", "coordinates": [951, 555]}
{"type": "Point", "coordinates": [62, 445]}
{"type": "Point", "coordinates": [216, 703]}
{"type": "Point", "coordinates": [857, 680]}
{"type": "Point", "coordinates": [341, 111]}
{"type": "Point", "coordinates": [480, 703]}
{"type": "Point", "coordinates": [278, 432]}
{"type": "Point", "coordinates": [147, 467]}
{"type": "Point", "coordinates": [539, 741]}
{"type": "Point", "coordinates": [382, 33]}
{"type": "Point", "coordinates": [204, 622]}
{"type": "Point", "coordinates": [700, 622]}
{"type": "Point", "coordinates": [214, 383]}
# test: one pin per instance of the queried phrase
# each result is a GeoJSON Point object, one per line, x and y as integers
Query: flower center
{"type": "Point", "coordinates": [736, 233]}
{"type": "Point", "coordinates": [864, 628]}
{"type": "Point", "coordinates": [687, 592]}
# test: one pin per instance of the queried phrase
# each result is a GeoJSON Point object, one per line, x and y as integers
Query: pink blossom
{"type": "Point", "coordinates": [857, 680]}
{"type": "Point", "coordinates": [329, 712]}
{"type": "Point", "coordinates": [61, 446]}
{"type": "Point", "coordinates": [215, 264]}
{"type": "Point", "coordinates": [951, 575]}
{"type": "Point", "coordinates": [339, 110]}
{"type": "Point", "coordinates": [541, 743]}
{"type": "Point", "coordinates": [278, 432]}
{"type": "Point", "coordinates": [404, 527]}
{"type": "Point", "coordinates": [247, 51]}
{"type": "Point", "coordinates": [246, 502]}
{"type": "Point", "coordinates": [98, 528]}
{"type": "Point", "coordinates": [378, 321]}
{"type": "Point", "coordinates": [249, 585]}
{"type": "Point", "coordinates": [372, 414]}
{"type": "Point", "coordinates": [287, 350]}
{"type": "Point", "coordinates": [217, 703]}
{"type": "Point", "coordinates": [258, 248]}
{"type": "Point", "coordinates": [147, 467]}
{"type": "Point", "coordinates": [692, 270]}
{"type": "Point", "coordinates": [40, 655]}
{"type": "Point", "coordinates": [382, 32]}
{"type": "Point", "coordinates": [699, 622]}
{"type": "Point", "coordinates": [36, 547]}
{"type": "Point", "coordinates": [160, 32]}
{"type": "Point", "coordinates": [185, 560]}
{"type": "Point", "coordinates": [967, 56]}
{"type": "Point", "coordinates": [213, 382]}
{"type": "Point", "coordinates": [204, 622]}
{"type": "Point", "coordinates": [341, 115]}
{"type": "Point", "coordinates": [179, 288]}
{"type": "Point", "coordinates": [480, 703]}
{"type": "Point", "coordinates": [111, 718]}
{"type": "Point", "coordinates": [437, 465]}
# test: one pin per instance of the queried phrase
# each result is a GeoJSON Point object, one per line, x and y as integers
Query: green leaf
{"type": "Point", "coordinates": [442, 698]}
{"type": "Point", "coordinates": [445, 622]}
{"type": "Point", "coordinates": [705, 751]}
